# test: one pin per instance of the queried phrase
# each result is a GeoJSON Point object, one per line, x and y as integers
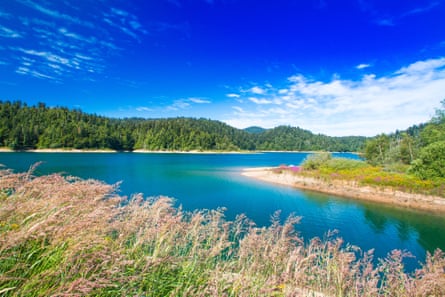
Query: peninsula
{"type": "Point", "coordinates": [349, 188]}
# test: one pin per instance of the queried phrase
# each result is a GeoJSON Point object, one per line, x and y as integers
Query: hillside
{"type": "Point", "coordinates": [39, 127]}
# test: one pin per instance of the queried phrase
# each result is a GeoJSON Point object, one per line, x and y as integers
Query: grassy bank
{"type": "Point", "coordinates": [323, 166]}
{"type": "Point", "coordinates": [63, 236]}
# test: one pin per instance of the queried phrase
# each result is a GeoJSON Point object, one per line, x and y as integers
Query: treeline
{"type": "Point", "coordinates": [36, 127]}
{"type": "Point", "coordinates": [297, 139]}
{"type": "Point", "coordinates": [419, 150]}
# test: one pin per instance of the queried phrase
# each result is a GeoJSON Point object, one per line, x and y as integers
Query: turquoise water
{"type": "Point", "coordinates": [198, 181]}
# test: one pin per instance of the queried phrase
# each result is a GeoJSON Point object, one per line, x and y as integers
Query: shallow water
{"type": "Point", "coordinates": [214, 180]}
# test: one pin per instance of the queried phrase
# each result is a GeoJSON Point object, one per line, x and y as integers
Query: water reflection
{"type": "Point", "coordinates": [376, 220]}
{"type": "Point", "coordinates": [425, 227]}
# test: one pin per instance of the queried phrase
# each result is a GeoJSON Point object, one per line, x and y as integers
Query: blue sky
{"type": "Point", "coordinates": [353, 67]}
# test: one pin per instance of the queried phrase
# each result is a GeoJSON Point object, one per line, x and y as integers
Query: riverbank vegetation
{"type": "Point", "coordinates": [412, 161]}
{"type": "Point", "coordinates": [326, 168]}
{"type": "Point", "coordinates": [64, 236]}
{"type": "Point", "coordinates": [420, 150]}
{"type": "Point", "coordinates": [40, 127]}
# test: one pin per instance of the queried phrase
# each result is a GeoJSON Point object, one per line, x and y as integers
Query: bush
{"type": "Point", "coordinates": [431, 163]}
{"type": "Point", "coordinates": [344, 163]}
{"type": "Point", "coordinates": [315, 161]}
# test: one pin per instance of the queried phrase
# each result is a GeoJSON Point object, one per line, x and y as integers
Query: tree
{"type": "Point", "coordinates": [376, 149]}
{"type": "Point", "coordinates": [431, 162]}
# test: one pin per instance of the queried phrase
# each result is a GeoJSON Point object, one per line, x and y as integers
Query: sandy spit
{"type": "Point", "coordinates": [349, 189]}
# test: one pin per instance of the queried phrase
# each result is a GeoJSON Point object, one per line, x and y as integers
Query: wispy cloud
{"type": "Point", "coordinates": [56, 14]}
{"type": "Point", "coordinates": [260, 101]}
{"type": "Point", "coordinates": [63, 43]}
{"type": "Point", "coordinates": [393, 19]}
{"type": "Point", "coordinates": [363, 66]}
{"type": "Point", "coordinates": [257, 90]}
{"type": "Point", "coordinates": [233, 95]}
{"type": "Point", "coordinates": [35, 73]}
{"type": "Point", "coordinates": [9, 33]}
{"type": "Point", "coordinates": [178, 104]}
{"type": "Point", "coordinates": [421, 9]}
{"type": "Point", "coordinates": [143, 108]}
{"type": "Point", "coordinates": [367, 106]}
{"type": "Point", "coordinates": [5, 15]}
{"type": "Point", "coordinates": [125, 22]}
{"type": "Point", "coordinates": [199, 101]}
{"type": "Point", "coordinates": [185, 103]}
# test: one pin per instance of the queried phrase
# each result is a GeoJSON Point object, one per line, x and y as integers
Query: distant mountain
{"type": "Point", "coordinates": [30, 127]}
{"type": "Point", "coordinates": [254, 130]}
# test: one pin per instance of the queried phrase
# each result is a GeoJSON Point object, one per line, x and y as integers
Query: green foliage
{"type": "Point", "coordinates": [387, 150]}
{"type": "Point", "coordinates": [254, 130]}
{"type": "Point", "coordinates": [419, 150]}
{"type": "Point", "coordinates": [431, 162]}
{"type": "Point", "coordinates": [338, 164]}
{"type": "Point", "coordinates": [325, 162]}
{"type": "Point", "coordinates": [315, 161]}
{"type": "Point", "coordinates": [296, 139]}
{"type": "Point", "coordinates": [362, 173]}
{"type": "Point", "coordinates": [30, 127]}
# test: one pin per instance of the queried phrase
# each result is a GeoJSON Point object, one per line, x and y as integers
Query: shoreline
{"type": "Point", "coordinates": [8, 150]}
{"type": "Point", "coordinates": [431, 204]}
{"type": "Point", "coordinates": [73, 150]}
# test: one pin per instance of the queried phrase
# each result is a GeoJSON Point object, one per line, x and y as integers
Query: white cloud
{"type": "Point", "coordinates": [199, 101]}
{"type": "Point", "coordinates": [368, 106]}
{"type": "Point", "coordinates": [238, 109]}
{"type": "Point", "coordinates": [34, 73]}
{"type": "Point", "coordinates": [421, 9]}
{"type": "Point", "coordinates": [66, 43]}
{"type": "Point", "coordinates": [178, 104]}
{"type": "Point", "coordinates": [143, 108]}
{"type": "Point", "coordinates": [232, 95]}
{"type": "Point", "coordinates": [257, 90]}
{"type": "Point", "coordinates": [363, 66]}
{"type": "Point", "coordinates": [125, 22]}
{"type": "Point", "coordinates": [422, 66]}
{"type": "Point", "coordinates": [56, 14]}
{"type": "Point", "coordinates": [6, 32]}
{"type": "Point", "coordinates": [260, 101]}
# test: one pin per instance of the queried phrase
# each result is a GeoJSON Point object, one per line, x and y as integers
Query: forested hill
{"type": "Point", "coordinates": [31, 127]}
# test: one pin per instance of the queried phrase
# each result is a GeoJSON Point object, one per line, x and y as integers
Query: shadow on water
{"type": "Point", "coordinates": [427, 226]}
{"type": "Point", "coordinates": [383, 227]}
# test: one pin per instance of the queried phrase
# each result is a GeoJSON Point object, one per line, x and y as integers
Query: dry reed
{"type": "Point", "coordinates": [64, 236]}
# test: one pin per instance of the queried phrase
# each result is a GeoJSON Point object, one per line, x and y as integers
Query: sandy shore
{"type": "Point", "coordinates": [350, 190]}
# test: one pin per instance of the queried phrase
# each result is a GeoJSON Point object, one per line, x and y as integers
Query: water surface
{"type": "Point", "coordinates": [198, 181]}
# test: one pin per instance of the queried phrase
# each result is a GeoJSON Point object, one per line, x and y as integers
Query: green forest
{"type": "Point", "coordinates": [25, 127]}
{"type": "Point", "coordinates": [419, 150]}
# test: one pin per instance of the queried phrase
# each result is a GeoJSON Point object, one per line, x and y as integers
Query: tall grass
{"type": "Point", "coordinates": [64, 236]}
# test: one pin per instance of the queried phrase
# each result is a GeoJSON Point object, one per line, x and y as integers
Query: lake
{"type": "Point", "coordinates": [210, 181]}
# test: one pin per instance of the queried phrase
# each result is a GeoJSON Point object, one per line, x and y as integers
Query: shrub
{"type": "Point", "coordinates": [315, 161]}
{"type": "Point", "coordinates": [337, 164]}
{"type": "Point", "coordinates": [431, 163]}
